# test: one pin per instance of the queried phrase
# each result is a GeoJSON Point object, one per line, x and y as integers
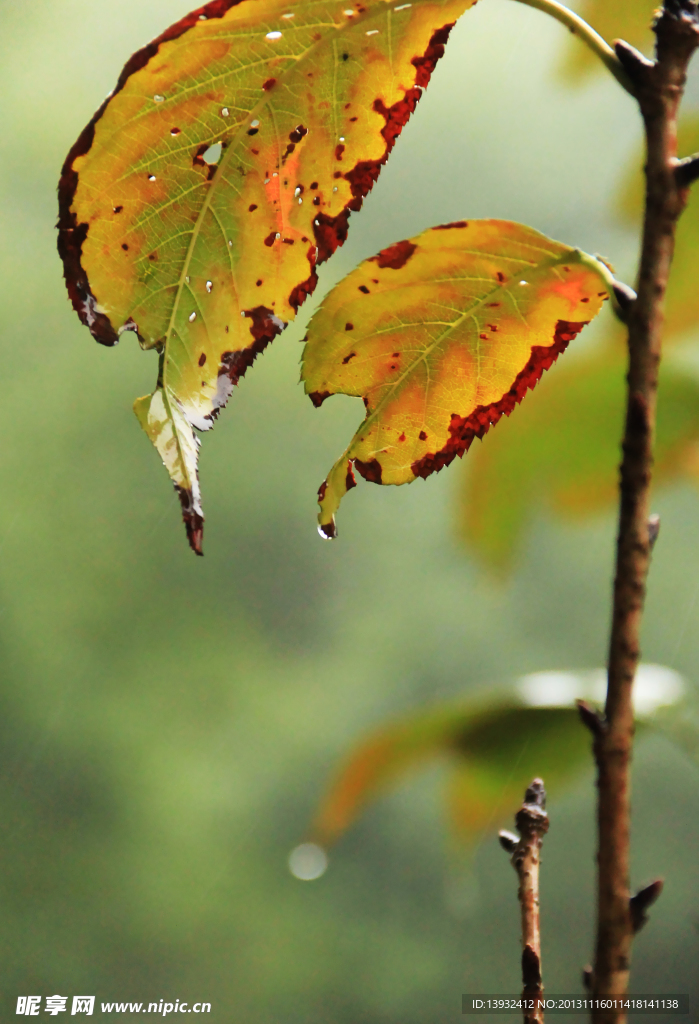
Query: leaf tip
{"type": "Point", "coordinates": [193, 520]}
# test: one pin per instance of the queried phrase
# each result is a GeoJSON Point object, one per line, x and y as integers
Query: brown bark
{"type": "Point", "coordinates": [659, 87]}
{"type": "Point", "coordinates": [532, 823]}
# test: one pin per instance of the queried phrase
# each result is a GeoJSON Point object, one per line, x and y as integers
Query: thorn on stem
{"type": "Point", "coordinates": [687, 170]}
{"type": "Point", "coordinates": [653, 529]}
{"type": "Point", "coordinates": [640, 903]}
{"type": "Point", "coordinates": [636, 66]}
{"type": "Point", "coordinates": [624, 298]}
{"type": "Point", "coordinates": [531, 969]}
{"type": "Point", "coordinates": [508, 841]}
{"type": "Point", "coordinates": [591, 718]}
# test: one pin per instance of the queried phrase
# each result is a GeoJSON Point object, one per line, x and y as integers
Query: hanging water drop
{"type": "Point", "coordinates": [158, 99]}
{"type": "Point", "coordinates": [209, 286]}
{"type": "Point", "coordinates": [192, 317]}
{"type": "Point", "coordinates": [273, 35]}
{"type": "Point", "coordinates": [151, 177]}
{"type": "Point", "coordinates": [225, 112]}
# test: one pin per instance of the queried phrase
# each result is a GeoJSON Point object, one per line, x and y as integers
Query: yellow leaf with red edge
{"type": "Point", "coordinates": [442, 335]}
{"type": "Point", "coordinates": [222, 170]}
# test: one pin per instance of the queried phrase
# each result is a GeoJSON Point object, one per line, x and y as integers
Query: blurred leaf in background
{"type": "Point", "coordinates": [613, 19]}
{"type": "Point", "coordinates": [563, 451]}
{"type": "Point", "coordinates": [493, 745]}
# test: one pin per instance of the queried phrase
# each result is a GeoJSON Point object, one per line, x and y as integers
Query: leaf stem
{"type": "Point", "coordinates": [532, 823]}
{"type": "Point", "coordinates": [659, 88]}
{"type": "Point", "coordinates": [599, 46]}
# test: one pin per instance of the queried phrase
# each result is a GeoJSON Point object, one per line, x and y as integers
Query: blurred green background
{"type": "Point", "coordinates": [168, 724]}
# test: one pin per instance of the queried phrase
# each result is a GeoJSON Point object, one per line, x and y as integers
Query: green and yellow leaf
{"type": "Point", "coordinates": [441, 335]}
{"type": "Point", "coordinates": [201, 197]}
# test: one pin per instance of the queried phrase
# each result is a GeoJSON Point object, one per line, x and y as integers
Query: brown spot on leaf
{"type": "Point", "coordinates": [175, 131]}
{"type": "Point", "coordinates": [347, 358]}
{"type": "Point", "coordinates": [425, 65]}
{"type": "Point", "coordinates": [253, 131]}
{"type": "Point", "coordinates": [363, 288]}
{"type": "Point", "coordinates": [339, 150]}
{"type": "Point", "coordinates": [349, 327]}
{"type": "Point", "coordinates": [202, 358]}
{"type": "Point", "coordinates": [251, 207]}
{"type": "Point", "coordinates": [422, 435]}
{"type": "Point", "coordinates": [301, 291]}
{"type": "Point", "coordinates": [318, 397]}
{"type": "Point", "coordinates": [450, 225]}
{"type": "Point", "coordinates": [316, 201]}
{"type": "Point", "coordinates": [350, 482]}
{"type": "Point", "coordinates": [396, 256]}
{"type": "Point", "coordinates": [258, 282]}
{"type": "Point", "coordinates": [270, 239]}
{"type": "Point", "coordinates": [370, 470]}
{"type": "Point", "coordinates": [313, 185]}
{"type": "Point", "coordinates": [402, 437]}
{"type": "Point", "coordinates": [125, 246]}
{"type": "Point", "coordinates": [500, 276]}
{"type": "Point", "coordinates": [483, 337]}
{"type": "Point", "coordinates": [118, 209]}
{"type": "Point", "coordinates": [463, 429]}
{"type": "Point", "coordinates": [153, 256]}
{"type": "Point", "coordinates": [269, 84]}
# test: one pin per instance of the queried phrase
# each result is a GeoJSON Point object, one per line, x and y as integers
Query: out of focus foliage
{"type": "Point", "coordinates": [167, 723]}
{"type": "Point", "coordinates": [613, 19]}
{"type": "Point", "coordinates": [562, 452]}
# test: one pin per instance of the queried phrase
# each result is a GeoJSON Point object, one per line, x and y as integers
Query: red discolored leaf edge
{"type": "Point", "coordinates": [463, 429]}
{"type": "Point", "coordinates": [331, 232]}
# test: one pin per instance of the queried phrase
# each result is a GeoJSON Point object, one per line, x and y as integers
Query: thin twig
{"type": "Point", "coordinates": [599, 46]}
{"type": "Point", "coordinates": [659, 88]}
{"type": "Point", "coordinates": [532, 822]}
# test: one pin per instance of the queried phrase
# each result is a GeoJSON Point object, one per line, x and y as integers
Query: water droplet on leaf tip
{"type": "Point", "coordinates": [300, 202]}
{"type": "Point", "coordinates": [289, 15]}
{"type": "Point", "coordinates": [192, 317]}
{"type": "Point", "coordinates": [334, 188]}
{"type": "Point", "coordinates": [209, 285]}
{"type": "Point", "coordinates": [342, 138]}
{"type": "Point", "coordinates": [273, 35]}
{"type": "Point", "coordinates": [225, 112]}
{"type": "Point", "coordinates": [254, 124]}
{"type": "Point", "coordinates": [151, 177]}
{"type": "Point", "coordinates": [349, 14]}
{"type": "Point", "coordinates": [524, 282]}
{"type": "Point", "coordinates": [372, 32]}
{"type": "Point", "coordinates": [308, 862]}
{"type": "Point", "coordinates": [158, 99]}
